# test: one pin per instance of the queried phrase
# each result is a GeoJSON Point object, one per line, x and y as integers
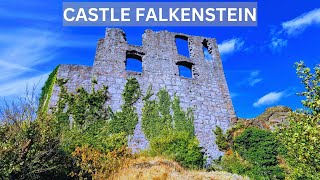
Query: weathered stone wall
{"type": "Point", "coordinates": [206, 91]}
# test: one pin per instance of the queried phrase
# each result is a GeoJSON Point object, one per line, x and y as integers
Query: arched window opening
{"type": "Point", "coordinates": [182, 45]}
{"type": "Point", "coordinates": [185, 69]}
{"type": "Point", "coordinates": [133, 63]}
{"type": "Point", "coordinates": [206, 52]}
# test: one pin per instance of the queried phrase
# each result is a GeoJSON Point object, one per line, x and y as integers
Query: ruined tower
{"type": "Point", "coordinates": [206, 91]}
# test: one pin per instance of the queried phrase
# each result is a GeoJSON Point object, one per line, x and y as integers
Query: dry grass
{"type": "Point", "coordinates": [158, 168]}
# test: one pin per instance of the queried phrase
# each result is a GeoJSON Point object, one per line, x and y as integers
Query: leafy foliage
{"type": "Point", "coordinates": [233, 162]}
{"type": "Point", "coordinates": [98, 165]}
{"type": "Point", "coordinates": [171, 135]}
{"type": "Point", "coordinates": [127, 118]}
{"type": "Point", "coordinates": [180, 147]}
{"type": "Point", "coordinates": [183, 121]}
{"type": "Point", "coordinates": [311, 82]}
{"type": "Point", "coordinates": [30, 150]}
{"type": "Point", "coordinates": [221, 139]}
{"type": "Point", "coordinates": [97, 138]}
{"type": "Point", "coordinates": [156, 116]}
{"type": "Point", "coordinates": [253, 152]}
{"type": "Point", "coordinates": [156, 119]}
{"type": "Point", "coordinates": [301, 137]}
{"type": "Point", "coordinates": [259, 147]}
{"type": "Point", "coordinates": [82, 107]}
{"type": "Point", "coordinates": [47, 91]}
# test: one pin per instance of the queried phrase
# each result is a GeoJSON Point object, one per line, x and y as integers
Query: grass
{"type": "Point", "coordinates": [159, 168]}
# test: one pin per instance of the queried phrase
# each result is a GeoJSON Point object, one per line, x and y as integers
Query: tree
{"type": "Point", "coordinates": [301, 137]}
{"type": "Point", "coordinates": [29, 144]}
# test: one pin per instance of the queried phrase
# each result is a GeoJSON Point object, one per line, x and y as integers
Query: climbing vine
{"type": "Point", "coordinates": [82, 107]}
{"type": "Point", "coordinates": [46, 91]}
{"type": "Point", "coordinates": [127, 118]}
{"type": "Point", "coordinates": [156, 116]}
{"type": "Point", "coordinates": [183, 121]}
{"type": "Point", "coordinates": [170, 129]}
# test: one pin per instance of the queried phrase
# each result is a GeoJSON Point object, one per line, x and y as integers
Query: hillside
{"type": "Point", "coordinates": [269, 119]}
{"type": "Point", "coordinates": [159, 168]}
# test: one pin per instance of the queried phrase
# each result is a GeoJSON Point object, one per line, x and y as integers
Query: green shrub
{"type": "Point", "coordinates": [234, 163]}
{"type": "Point", "coordinates": [151, 121]}
{"type": "Point", "coordinates": [221, 139]}
{"type": "Point", "coordinates": [156, 116]}
{"type": "Point", "coordinates": [30, 150]}
{"type": "Point", "coordinates": [171, 135]}
{"type": "Point", "coordinates": [259, 147]}
{"type": "Point", "coordinates": [94, 164]}
{"type": "Point", "coordinates": [97, 138]}
{"type": "Point", "coordinates": [301, 138]}
{"type": "Point", "coordinates": [180, 147]}
{"type": "Point", "coordinates": [302, 142]}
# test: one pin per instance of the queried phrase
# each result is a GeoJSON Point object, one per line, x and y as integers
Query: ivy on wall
{"type": "Point", "coordinates": [170, 129]}
{"type": "Point", "coordinates": [157, 116]}
{"type": "Point", "coordinates": [46, 91]}
{"type": "Point", "coordinates": [183, 121]}
{"type": "Point", "coordinates": [127, 118]}
{"type": "Point", "coordinates": [82, 108]}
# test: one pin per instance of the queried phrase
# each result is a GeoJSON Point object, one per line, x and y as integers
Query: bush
{"type": "Point", "coordinates": [97, 138]}
{"type": "Point", "coordinates": [30, 144]}
{"type": "Point", "coordinates": [180, 147]}
{"type": "Point", "coordinates": [260, 148]}
{"type": "Point", "coordinates": [221, 139]}
{"type": "Point", "coordinates": [171, 135]}
{"type": "Point", "coordinates": [302, 142]}
{"type": "Point", "coordinates": [301, 137]}
{"type": "Point", "coordinates": [96, 164]}
{"type": "Point", "coordinates": [30, 150]}
{"type": "Point", "coordinates": [234, 163]}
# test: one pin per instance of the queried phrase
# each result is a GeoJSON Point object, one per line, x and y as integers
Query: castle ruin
{"type": "Point", "coordinates": [206, 91]}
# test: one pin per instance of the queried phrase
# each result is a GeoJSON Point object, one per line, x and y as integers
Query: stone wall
{"type": "Point", "coordinates": [206, 91]}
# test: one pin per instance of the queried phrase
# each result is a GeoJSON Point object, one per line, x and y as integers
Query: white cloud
{"type": "Point", "coordinates": [229, 46]}
{"type": "Point", "coordinates": [253, 78]}
{"type": "Point", "coordinates": [293, 27]}
{"type": "Point", "coordinates": [268, 99]}
{"type": "Point", "coordinates": [18, 88]}
{"type": "Point", "coordinates": [21, 50]}
{"type": "Point", "coordinates": [277, 43]}
{"type": "Point", "coordinates": [25, 51]}
{"type": "Point", "coordinates": [254, 81]}
{"type": "Point", "coordinates": [301, 22]}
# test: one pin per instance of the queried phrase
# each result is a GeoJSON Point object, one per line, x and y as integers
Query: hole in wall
{"type": "Point", "coordinates": [182, 45]}
{"type": "Point", "coordinates": [133, 63]}
{"type": "Point", "coordinates": [206, 52]}
{"type": "Point", "coordinates": [185, 69]}
{"type": "Point", "coordinates": [132, 38]}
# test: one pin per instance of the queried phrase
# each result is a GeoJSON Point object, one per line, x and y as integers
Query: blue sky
{"type": "Point", "coordinates": [258, 61]}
